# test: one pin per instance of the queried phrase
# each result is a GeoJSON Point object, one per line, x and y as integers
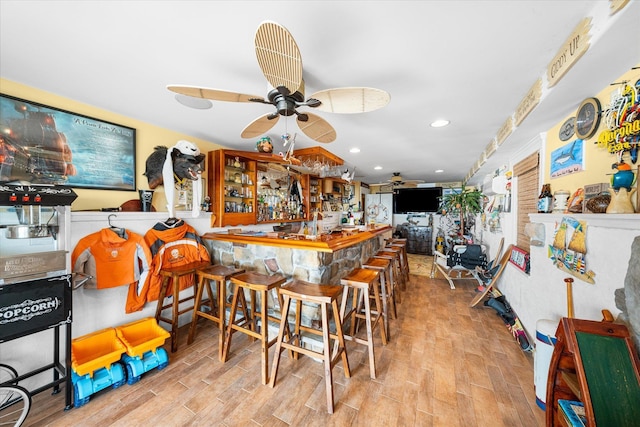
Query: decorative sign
{"type": "Point", "coordinates": [520, 259]}
{"type": "Point", "coordinates": [568, 129]}
{"type": "Point", "coordinates": [529, 102]}
{"type": "Point", "coordinates": [491, 148]}
{"type": "Point", "coordinates": [623, 125]}
{"type": "Point", "coordinates": [505, 131]}
{"type": "Point", "coordinates": [569, 249]}
{"type": "Point", "coordinates": [575, 46]}
{"type": "Point", "coordinates": [567, 159]}
{"type": "Point", "coordinates": [617, 5]}
{"type": "Point", "coordinates": [33, 306]}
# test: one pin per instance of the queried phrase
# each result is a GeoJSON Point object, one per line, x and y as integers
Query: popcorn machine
{"type": "Point", "coordinates": [36, 281]}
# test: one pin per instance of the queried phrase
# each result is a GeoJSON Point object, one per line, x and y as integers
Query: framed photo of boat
{"type": "Point", "coordinates": [40, 144]}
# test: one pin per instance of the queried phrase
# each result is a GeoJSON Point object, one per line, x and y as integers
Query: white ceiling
{"type": "Point", "coordinates": [471, 62]}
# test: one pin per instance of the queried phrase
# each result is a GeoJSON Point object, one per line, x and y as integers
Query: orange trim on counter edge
{"type": "Point", "coordinates": [328, 243]}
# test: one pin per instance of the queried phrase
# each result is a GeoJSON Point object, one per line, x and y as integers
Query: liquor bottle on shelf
{"type": "Point", "coordinates": [545, 200]}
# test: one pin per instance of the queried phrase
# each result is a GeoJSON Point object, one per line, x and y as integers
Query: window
{"type": "Point", "coordinates": [527, 196]}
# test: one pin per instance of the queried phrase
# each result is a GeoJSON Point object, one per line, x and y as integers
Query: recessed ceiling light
{"type": "Point", "coordinates": [354, 150]}
{"type": "Point", "coordinates": [378, 168]}
{"type": "Point", "coordinates": [439, 170]}
{"type": "Point", "coordinates": [193, 102]}
{"type": "Point", "coordinates": [440, 123]}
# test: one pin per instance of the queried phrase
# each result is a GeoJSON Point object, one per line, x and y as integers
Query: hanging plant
{"type": "Point", "coordinates": [462, 202]}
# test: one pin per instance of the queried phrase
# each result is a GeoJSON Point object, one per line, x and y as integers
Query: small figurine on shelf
{"type": "Point", "coordinates": [264, 145]}
{"type": "Point", "coordinates": [623, 178]}
{"type": "Point", "coordinates": [206, 204]}
{"type": "Point", "coordinates": [622, 182]}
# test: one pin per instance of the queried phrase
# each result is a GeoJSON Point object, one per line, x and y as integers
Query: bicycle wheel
{"type": "Point", "coordinates": [7, 374]}
{"type": "Point", "coordinates": [15, 407]}
{"type": "Point", "coordinates": [7, 378]}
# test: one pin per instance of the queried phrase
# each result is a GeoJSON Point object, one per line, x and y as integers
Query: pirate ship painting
{"type": "Point", "coordinates": [569, 249]}
{"type": "Point", "coordinates": [32, 149]}
{"type": "Point", "coordinates": [43, 145]}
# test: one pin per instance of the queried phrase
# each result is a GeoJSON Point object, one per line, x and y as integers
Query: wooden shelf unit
{"type": "Point", "coordinates": [232, 182]}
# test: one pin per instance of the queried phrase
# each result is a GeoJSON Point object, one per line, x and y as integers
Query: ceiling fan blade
{"type": "Point", "coordinates": [317, 128]}
{"type": "Point", "coordinates": [259, 126]}
{"type": "Point", "coordinates": [351, 99]}
{"type": "Point", "coordinates": [278, 56]}
{"type": "Point", "coordinates": [215, 94]}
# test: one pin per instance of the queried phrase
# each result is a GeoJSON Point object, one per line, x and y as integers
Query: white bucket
{"type": "Point", "coordinates": [545, 341]}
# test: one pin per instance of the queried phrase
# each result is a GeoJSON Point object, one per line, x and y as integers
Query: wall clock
{"type": "Point", "coordinates": [588, 118]}
{"type": "Point", "coordinates": [567, 129]}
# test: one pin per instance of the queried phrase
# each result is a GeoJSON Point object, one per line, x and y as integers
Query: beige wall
{"type": "Point", "coordinates": [147, 137]}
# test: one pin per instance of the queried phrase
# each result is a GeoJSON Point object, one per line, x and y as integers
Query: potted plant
{"type": "Point", "coordinates": [462, 202]}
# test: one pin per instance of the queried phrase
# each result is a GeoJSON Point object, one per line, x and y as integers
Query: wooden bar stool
{"type": "Point", "coordinates": [257, 284]}
{"type": "Point", "coordinates": [395, 275]}
{"type": "Point", "coordinates": [218, 274]}
{"type": "Point", "coordinates": [362, 281]}
{"type": "Point", "coordinates": [402, 244]}
{"type": "Point", "coordinates": [400, 270]}
{"type": "Point", "coordinates": [173, 275]}
{"type": "Point", "coordinates": [325, 296]}
{"type": "Point", "coordinates": [383, 266]}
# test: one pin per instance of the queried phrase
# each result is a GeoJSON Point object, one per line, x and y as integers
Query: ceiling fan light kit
{"type": "Point", "coordinates": [193, 102]}
{"type": "Point", "coordinates": [281, 64]}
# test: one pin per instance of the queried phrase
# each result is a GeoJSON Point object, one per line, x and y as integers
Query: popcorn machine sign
{"type": "Point", "coordinates": [34, 305]}
{"type": "Point", "coordinates": [28, 309]}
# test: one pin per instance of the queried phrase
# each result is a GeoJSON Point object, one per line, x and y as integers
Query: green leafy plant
{"type": "Point", "coordinates": [462, 202]}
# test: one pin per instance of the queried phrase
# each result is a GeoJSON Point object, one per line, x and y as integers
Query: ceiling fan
{"type": "Point", "coordinates": [397, 181]}
{"type": "Point", "coordinates": [281, 63]}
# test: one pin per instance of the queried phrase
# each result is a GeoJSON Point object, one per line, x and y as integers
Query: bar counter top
{"type": "Point", "coordinates": [324, 243]}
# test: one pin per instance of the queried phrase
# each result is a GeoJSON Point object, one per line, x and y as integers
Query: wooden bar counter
{"type": "Point", "coordinates": [324, 243]}
{"type": "Point", "coordinates": [324, 260]}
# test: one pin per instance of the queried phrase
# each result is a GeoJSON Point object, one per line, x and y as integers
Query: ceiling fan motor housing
{"type": "Point", "coordinates": [285, 104]}
{"type": "Point", "coordinates": [396, 178]}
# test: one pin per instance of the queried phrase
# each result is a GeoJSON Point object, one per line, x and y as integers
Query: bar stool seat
{"type": "Point", "coordinates": [218, 274]}
{"type": "Point", "coordinates": [362, 281]}
{"type": "Point", "coordinates": [383, 266]}
{"type": "Point", "coordinates": [173, 275]}
{"type": "Point", "coordinates": [325, 296]}
{"type": "Point", "coordinates": [256, 284]}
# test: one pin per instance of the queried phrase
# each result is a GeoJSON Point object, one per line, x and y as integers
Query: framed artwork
{"type": "Point", "coordinates": [567, 159]}
{"type": "Point", "coordinates": [46, 145]}
{"type": "Point", "coordinates": [520, 259]}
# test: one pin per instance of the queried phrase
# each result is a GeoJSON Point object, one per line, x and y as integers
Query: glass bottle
{"type": "Point", "coordinates": [545, 200]}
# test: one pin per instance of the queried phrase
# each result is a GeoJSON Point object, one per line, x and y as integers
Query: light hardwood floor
{"type": "Point", "coordinates": [445, 365]}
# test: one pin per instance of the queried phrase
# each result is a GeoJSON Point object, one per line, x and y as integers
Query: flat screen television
{"type": "Point", "coordinates": [409, 200]}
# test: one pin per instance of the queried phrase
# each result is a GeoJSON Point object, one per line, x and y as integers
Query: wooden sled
{"type": "Point", "coordinates": [502, 262]}
{"type": "Point", "coordinates": [594, 365]}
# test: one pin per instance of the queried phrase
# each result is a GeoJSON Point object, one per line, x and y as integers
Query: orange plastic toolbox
{"type": "Point", "coordinates": [95, 350]}
{"type": "Point", "coordinates": [141, 336]}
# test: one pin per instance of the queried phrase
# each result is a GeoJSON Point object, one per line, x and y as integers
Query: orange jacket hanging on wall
{"type": "Point", "coordinates": [114, 260]}
{"type": "Point", "coordinates": [172, 246]}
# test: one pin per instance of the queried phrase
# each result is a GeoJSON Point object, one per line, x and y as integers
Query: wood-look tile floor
{"type": "Point", "coordinates": [446, 365]}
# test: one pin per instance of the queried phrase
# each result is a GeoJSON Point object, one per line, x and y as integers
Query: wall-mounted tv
{"type": "Point", "coordinates": [408, 200]}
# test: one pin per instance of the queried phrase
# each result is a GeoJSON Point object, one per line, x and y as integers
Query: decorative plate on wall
{"type": "Point", "coordinates": [588, 118]}
{"type": "Point", "coordinates": [567, 129]}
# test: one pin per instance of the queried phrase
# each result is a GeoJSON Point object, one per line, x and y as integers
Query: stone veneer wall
{"type": "Point", "coordinates": [628, 298]}
{"type": "Point", "coordinates": [308, 265]}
